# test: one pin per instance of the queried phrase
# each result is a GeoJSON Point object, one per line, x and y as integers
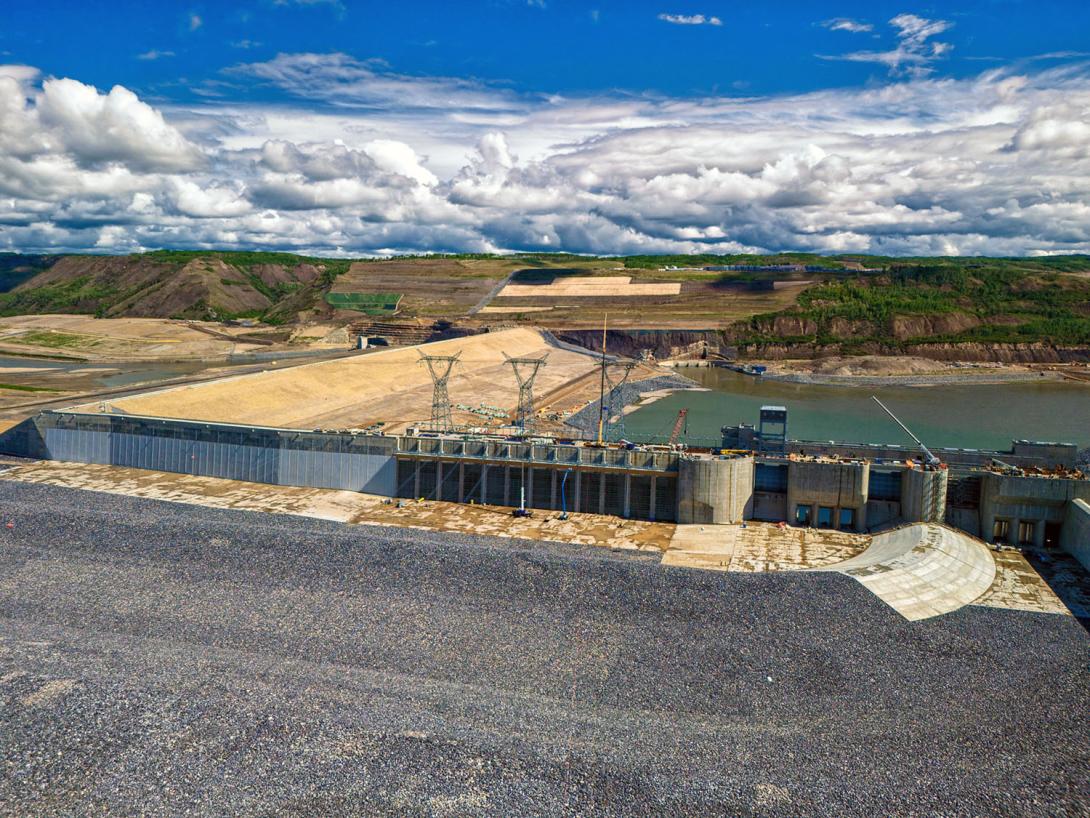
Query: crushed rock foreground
{"type": "Point", "coordinates": [168, 659]}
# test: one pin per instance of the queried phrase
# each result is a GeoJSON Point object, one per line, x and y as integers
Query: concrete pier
{"type": "Point", "coordinates": [923, 495]}
{"type": "Point", "coordinates": [718, 490]}
{"type": "Point", "coordinates": [828, 495]}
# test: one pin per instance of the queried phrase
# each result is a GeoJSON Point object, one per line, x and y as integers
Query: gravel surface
{"type": "Point", "coordinates": [170, 659]}
{"type": "Point", "coordinates": [586, 419]}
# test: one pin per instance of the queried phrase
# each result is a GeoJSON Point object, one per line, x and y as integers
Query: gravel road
{"type": "Point", "coordinates": [170, 659]}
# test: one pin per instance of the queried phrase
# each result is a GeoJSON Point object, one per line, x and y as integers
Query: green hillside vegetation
{"type": "Point", "coordinates": [16, 268]}
{"type": "Point", "coordinates": [367, 303]}
{"type": "Point", "coordinates": [77, 295]}
{"type": "Point", "coordinates": [1004, 301]}
{"type": "Point", "coordinates": [707, 260]}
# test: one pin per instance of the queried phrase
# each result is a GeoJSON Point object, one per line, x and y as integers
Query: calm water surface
{"type": "Point", "coordinates": [977, 416]}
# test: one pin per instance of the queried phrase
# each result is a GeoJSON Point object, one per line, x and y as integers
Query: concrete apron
{"type": "Point", "coordinates": [922, 570]}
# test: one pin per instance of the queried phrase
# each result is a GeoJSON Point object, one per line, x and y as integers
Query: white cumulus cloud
{"type": "Point", "coordinates": [916, 50]}
{"type": "Point", "coordinates": [994, 164]}
{"type": "Point", "coordinates": [690, 19]}
{"type": "Point", "coordinates": [847, 24]}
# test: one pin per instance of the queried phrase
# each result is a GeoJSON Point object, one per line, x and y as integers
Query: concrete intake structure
{"type": "Point", "coordinates": [1025, 510]}
{"type": "Point", "coordinates": [715, 490]}
{"type": "Point", "coordinates": [829, 495]}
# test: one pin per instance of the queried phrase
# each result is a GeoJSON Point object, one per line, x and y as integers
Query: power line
{"type": "Point", "coordinates": [440, 367]}
{"type": "Point", "coordinates": [526, 370]}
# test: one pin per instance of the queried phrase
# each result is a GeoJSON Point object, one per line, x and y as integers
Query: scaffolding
{"type": "Point", "coordinates": [526, 370]}
{"type": "Point", "coordinates": [440, 367]}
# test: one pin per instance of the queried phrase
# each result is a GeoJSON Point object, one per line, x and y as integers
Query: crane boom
{"type": "Point", "coordinates": [684, 413]}
{"type": "Point", "coordinates": [931, 459]}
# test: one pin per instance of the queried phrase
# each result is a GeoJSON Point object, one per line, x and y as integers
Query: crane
{"type": "Point", "coordinates": [931, 459]}
{"type": "Point", "coordinates": [681, 416]}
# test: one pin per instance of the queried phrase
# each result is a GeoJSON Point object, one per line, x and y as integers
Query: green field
{"type": "Point", "coordinates": [367, 303]}
{"type": "Point", "coordinates": [54, 340]}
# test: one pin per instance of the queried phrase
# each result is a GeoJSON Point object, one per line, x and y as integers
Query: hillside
{"type": "Point", "coordinates": [16, 268]}
{"type": "Point", "coordinates": [797, 304]}
{"type": "Point", "coordinates": [936, 301]}
{"type": "Point", "coordinates": [214, 286]}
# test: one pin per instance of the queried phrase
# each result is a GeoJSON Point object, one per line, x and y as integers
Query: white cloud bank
{"type": "Point", "coordinates": [996, 164]}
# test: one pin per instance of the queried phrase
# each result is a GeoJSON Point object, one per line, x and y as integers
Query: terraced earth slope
{"type": "Point", "coordinates": [1032, 309]}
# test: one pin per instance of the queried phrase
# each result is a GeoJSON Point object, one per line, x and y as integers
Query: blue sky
{"type": "Point", "coordinates": [602, 127]}
{"type": "Point", "coordinates": [549, 47]}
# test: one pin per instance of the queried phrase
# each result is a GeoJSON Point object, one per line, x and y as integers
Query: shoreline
{"type": "Point", "coordinates": [920, 380]}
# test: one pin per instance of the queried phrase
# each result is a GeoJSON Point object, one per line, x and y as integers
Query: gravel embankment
{"type": "Point", "coordinates": [586, 419]}
{"type": "Point", "coordinates": [169, 659]}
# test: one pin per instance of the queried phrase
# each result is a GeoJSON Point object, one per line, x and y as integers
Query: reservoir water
{"type": "Point", "coordinates": [972, 416]}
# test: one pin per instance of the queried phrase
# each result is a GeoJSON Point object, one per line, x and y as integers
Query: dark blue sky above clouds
{"type": "Point", "coordinates": [555, 46]}
{"type": "Point", "coordinates": [363, 127]}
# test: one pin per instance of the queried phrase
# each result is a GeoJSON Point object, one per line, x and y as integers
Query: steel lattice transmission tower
{"type": "Point", "coordinates": [526, 370]}
{"type": "Point", "coordinates": [615, 383]}
{"type": "Point", "coordinates": [440, 367]}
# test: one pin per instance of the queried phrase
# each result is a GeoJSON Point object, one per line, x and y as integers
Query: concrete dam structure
{"type": "Point", "coordinates": [353, 424]}
{"type": "Point", "coordinates": [638, 482]}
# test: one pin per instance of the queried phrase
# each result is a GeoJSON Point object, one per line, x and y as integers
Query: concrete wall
{"type": "Point", "coordinates": [964, 519]}
{"type": "Point", "coordinates": [1031, 452]}
{"type": "Point", "coordinates": [282, 457]}
{"type": "Point", "coordinates": [715, 490]}
{"type": "Point", "coordinates": [636, 483]}
{"type": "Point", "coordinates": [769, 507]}
{"type": "Point", "coordinates": [923, 495]}
{"type": "Point", "coordinates": [641, 483]}
{"type": "Point", "coordinates": [830, 485]}
{"type": "Point", "coordinates": [883, 513]}
{"type": "Point", "coordinates": [1076, 534]}
{"type": "Point", "coordinates": [1037, 500]}
{"type": "Point", "coordinates": [1022, 453]}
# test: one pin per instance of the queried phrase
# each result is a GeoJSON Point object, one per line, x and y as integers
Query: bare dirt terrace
{"type": "Point", "coordinates": [390, 386]}
{"type": "Point", "coordinates": [564, 295]}
{"type": "Point", "coordinates": [81, 336]}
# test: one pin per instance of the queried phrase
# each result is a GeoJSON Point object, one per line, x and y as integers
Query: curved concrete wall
{"type": "Point", "coordinates": [923, 570]}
